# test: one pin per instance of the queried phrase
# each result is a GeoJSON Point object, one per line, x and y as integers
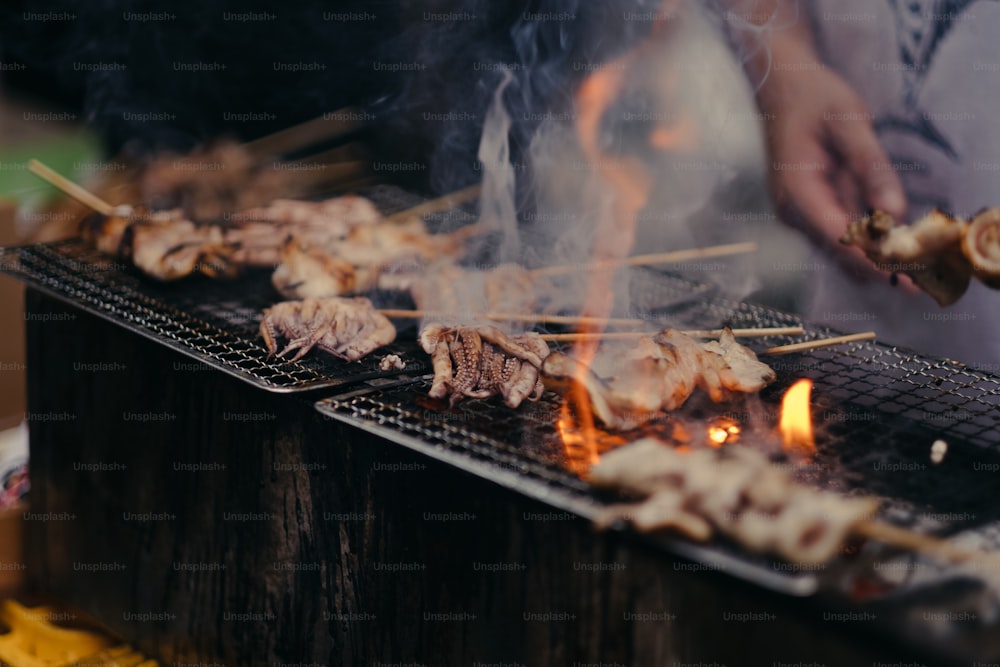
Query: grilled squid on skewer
{"type": "Point", "coordinates": [346, 328]}
{"type": "Point", "coordinates": [736, 492]}
{"type": "Point", "coordinates": [659, 373]}
{"type": "Point", "coordinates": [482, 361]}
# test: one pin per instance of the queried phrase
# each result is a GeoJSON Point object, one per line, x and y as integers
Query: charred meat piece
{"type": "Point", "coordinates": [386, 256]}
{"type": "Point", "coordinates": [313, 273]}
{"type": "Point", "coordinates": [482, 361]}
{"type": "Point", "coordinates": [660, 373]}
{"type": "Point", "coordinates": [106, 232]}
{"type": "Point", "coordinates": [735, 491]}
{"type": "Point", "coordinates": [346, 328]}
{"type": "Point", "coordinates": [178, 248]}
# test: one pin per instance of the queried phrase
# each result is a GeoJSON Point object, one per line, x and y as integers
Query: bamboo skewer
{"type": "Point", "coordinates": [70, 188]}
{"type": "Point", "coordinates": [325, 128]}
{"type": "Point", "coordinates": [818, 344]}
{"type": "Point", "coordinates": [927, 544]}
{"type": "Point", "coordinates": [438, 205]}
{"type": "Point", "coordinates": [563, 319]}
{"type": "Point", "coordinates": [700, 333]}
{"type": "Point", "coordinates": [571, 319]}
{"type": "Point", "coordinates": [672, 257]}
{"type": "Point", "coordinates": [515, 317]}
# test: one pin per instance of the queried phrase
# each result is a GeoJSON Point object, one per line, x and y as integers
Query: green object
{"type": "Point", "coordinates": [72, 155]}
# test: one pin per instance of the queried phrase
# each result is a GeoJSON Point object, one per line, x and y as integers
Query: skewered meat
{"type": "Point", "coordinates": [386, 256]}
{"type": "Point", "coordinates": [346, 328]}
{"type": "Point", "coordinates": [167, 246]}
{"type": "Point", "coordinates": [334, 217]}
{"type": "Point", "coordinates": [214, 180]}
{"type": "Point", "coordinates": [735, 491]}
{"type": "Point", "coordinates": [372, 245]}
{"type": "Point", "coordinates": [261, 232]}
{"type": "Point", "coordinates": [178, 248]}
{"type": "Point", "coordinates": [161, 244]}
{"type": "Point", "coordinates": [451, 289]}
{"type": "Point", "coordinates": [661, 373]}
{"type": "Point", "coordinates": [315, 273]}
{"type": "Point", "coordinates": [482, 361]}
{"type": "Point", "coordinates": [930, 251]}
{"type": "Point", "coordinates": [106, 232]}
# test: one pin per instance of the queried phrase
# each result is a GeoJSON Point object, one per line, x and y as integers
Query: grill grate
{"type": "Point", "coordinates": [214, 322]}
{"type": "Point", "coordinates": [877, 411]}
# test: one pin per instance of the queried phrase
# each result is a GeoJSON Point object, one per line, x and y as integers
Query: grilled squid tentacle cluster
{"type": "Point", "coordinates": [482, 361]}
{"type": "Point", "coordinates": [346, 328]}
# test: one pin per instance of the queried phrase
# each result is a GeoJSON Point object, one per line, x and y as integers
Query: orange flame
{"type": "Point", "coordinates": [579, 442]}
{"type": "Point", "coordinates": [630, 184]}
{"type": "Point", "coordinates": [796, 419]}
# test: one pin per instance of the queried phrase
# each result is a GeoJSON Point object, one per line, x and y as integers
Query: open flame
{"type": "Point", "coordinates": [579, 441]}
{"type": "Point", "coordinates": [630, 185]}
{"type": "Point", "coordinates": [795, 425]}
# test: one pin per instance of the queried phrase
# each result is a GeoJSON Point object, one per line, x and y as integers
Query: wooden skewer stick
{"type": "Point", "coordinates": [515, 317]}
{"type": "Point", "coordinates": [818, 344]}
{"type": "Point", "coordinates": [701, 333]}
{"type": "Point", "coordinates": [573, 319]}
{"type": "Point", "coordinates": [327, 127]}
{"type": "Point", "coordinates": [563, 319]}
{"type": "Point", "coordinates": [926, 544]}
{"type": "Point", "coordinates": [673, 257]}
{"type": "Point", "coordinates": [78, 193]}
{"type": "Point", "coordinates": [412, 314]}
{"type": "Point", "coordinates": [438, 205]}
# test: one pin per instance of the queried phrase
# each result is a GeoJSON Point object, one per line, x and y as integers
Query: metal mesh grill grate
{"type": "Point", "coordinates": [215, 322]}
{"type": "Point", "coordinates": [877, 411]}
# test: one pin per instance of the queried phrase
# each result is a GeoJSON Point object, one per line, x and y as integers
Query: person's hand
{"type": "Point", "coordinates": [826, 165]}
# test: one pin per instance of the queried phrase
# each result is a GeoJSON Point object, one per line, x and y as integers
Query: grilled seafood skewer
{"type": "Point", "coordinates": [736, 492]}
{"type": "Point", "coordinates": [660, 373]}
{"type": "Point", "coordinates": [482, 361]}
{"type": "Point", "coordinates": [346, 328]}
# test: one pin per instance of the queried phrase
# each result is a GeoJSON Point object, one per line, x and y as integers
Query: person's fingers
{"type": "Point", "coordinates": [848, 192]}
{"type": "Point", "coordinates": [858, 146]}
{"type": "Point", "coordinates": [811, 193]}
{"type": "Point", "coordinates": [804, 194]}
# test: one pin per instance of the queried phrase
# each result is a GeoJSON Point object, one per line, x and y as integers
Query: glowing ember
{"type": "Point", "coordinates": [723, 432]}
{"type": "Point", "coordinates": [796, 420]}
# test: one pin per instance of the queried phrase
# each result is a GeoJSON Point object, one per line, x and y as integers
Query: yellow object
{"type": "Point", "coordinates": [33, 641]}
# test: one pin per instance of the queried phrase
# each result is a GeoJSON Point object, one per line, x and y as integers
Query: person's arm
{"type": "Point", "coordinates": [826, 164]}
